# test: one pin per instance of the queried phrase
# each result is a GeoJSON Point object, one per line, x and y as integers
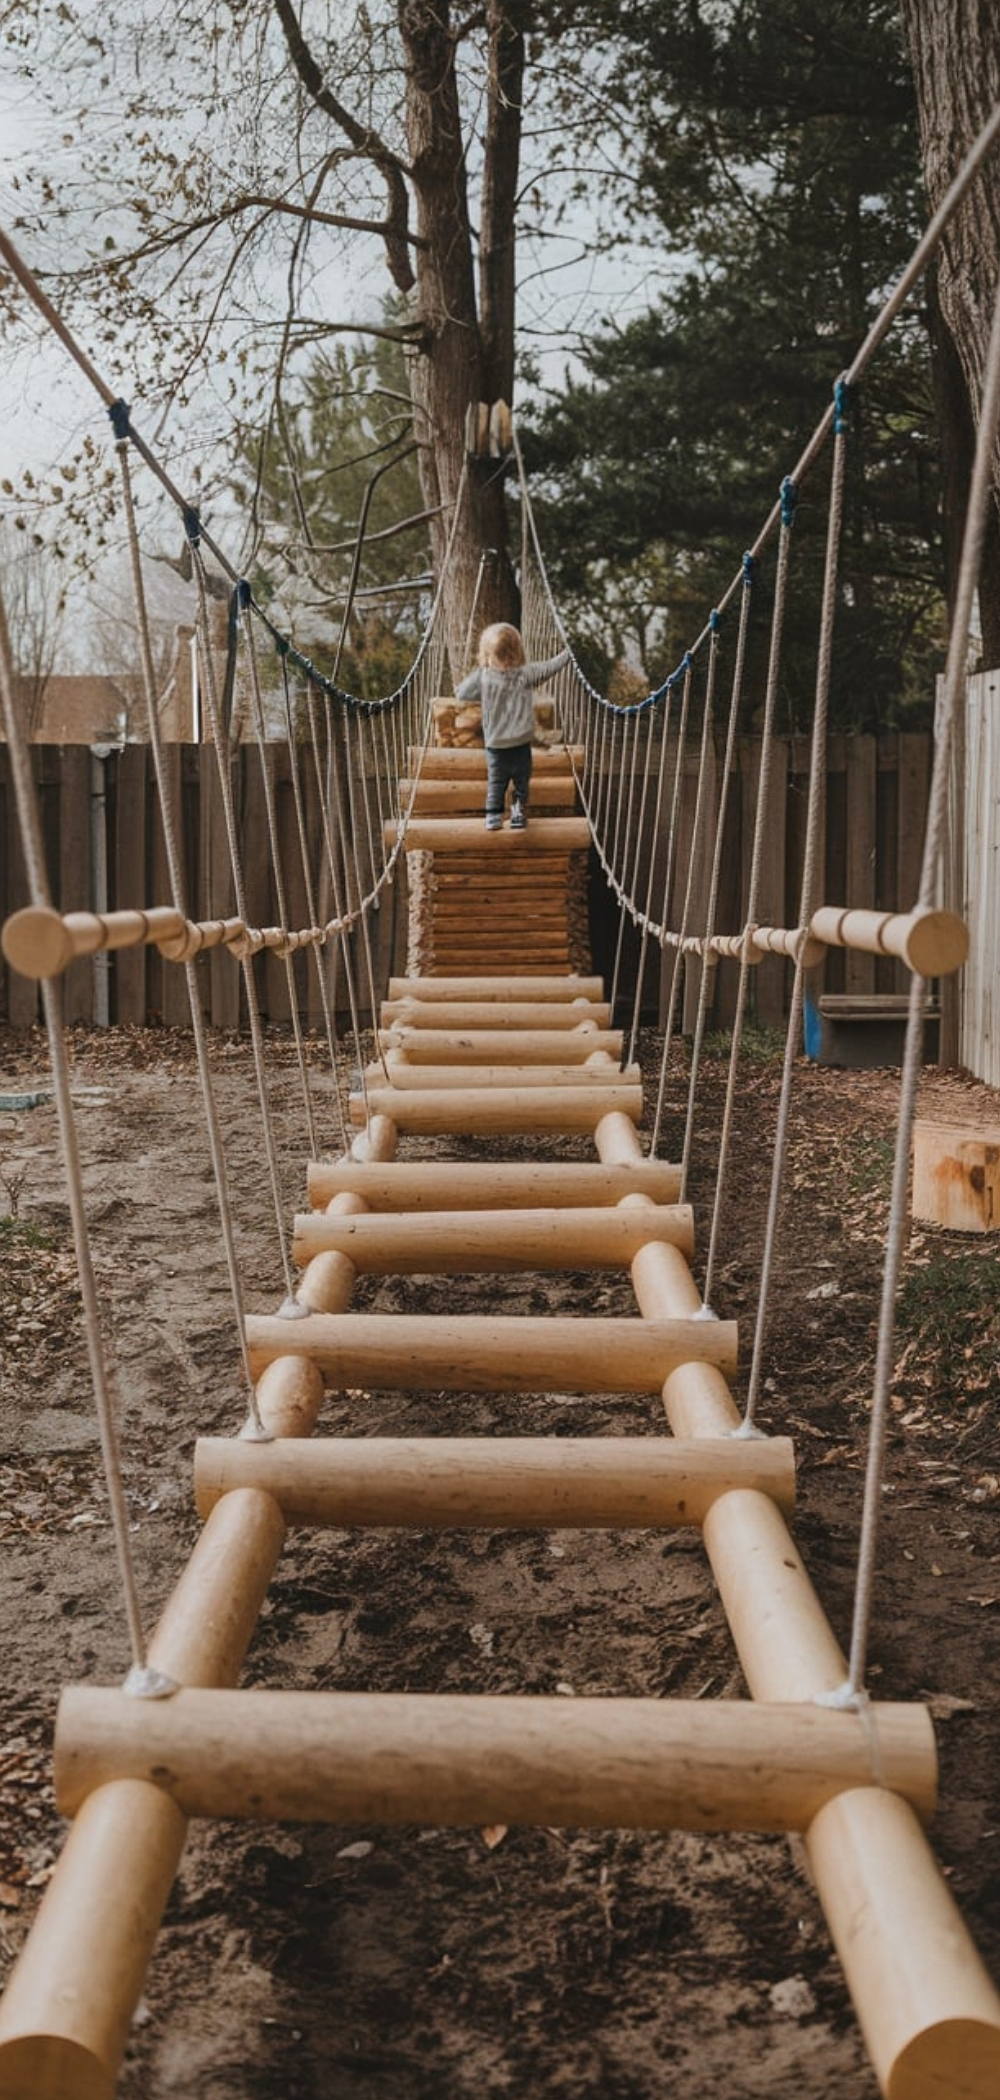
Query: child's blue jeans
{"type": "Point", "coordinates": [513, 763]}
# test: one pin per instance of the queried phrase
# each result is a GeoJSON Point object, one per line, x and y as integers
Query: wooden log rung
{"type": "Point", "coordinates": [500, 990]}
{"type": "Point", "coordinates": [480, 1353]}
{"type": "Point", "coordinates": [480, 1111]}
{"type": "Point", "coordinates": [470, 1012]}
{"type": "Point", "coordinates": [459, 1761]}
{"type": "Point", "coordinates": [466, 835]}
{"type": "Point", "coordinates": [442, 1078]}
{"type": "Point", "coordinates": [524, 1483]}
{"type": "Point", "coordinates": [452, 1243]}
{"type": "Point", "coordinates": [422, 1185]}
{"type": "Point", "coordinates": [484, 1046]}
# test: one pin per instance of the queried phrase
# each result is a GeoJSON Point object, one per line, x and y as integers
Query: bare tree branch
{"type": "Point", "coordinates": [390, 167]}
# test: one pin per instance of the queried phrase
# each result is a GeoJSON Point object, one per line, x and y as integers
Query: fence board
{"type": "Point", "coordinates": [873, 820]}
{"type": "Point", "coordinates": [860, 818]}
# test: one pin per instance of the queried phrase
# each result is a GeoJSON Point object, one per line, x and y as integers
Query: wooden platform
{"type": "Point", "coordinates": [485, 902]}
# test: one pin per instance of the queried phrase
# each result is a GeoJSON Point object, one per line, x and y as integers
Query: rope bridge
{"type": "Point", "coordinates": [490, 1038]}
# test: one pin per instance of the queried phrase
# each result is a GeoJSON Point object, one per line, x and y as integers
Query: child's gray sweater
{"type": "Point", "coordinates": [505, 697]}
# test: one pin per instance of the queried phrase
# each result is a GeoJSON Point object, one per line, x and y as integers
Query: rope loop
{"type": "Point", "coordinates": [714, 621]}
{"type": "Point", "coordinates": [748, 566]}
{"type": "Point", "coordinates": [842, 393]}
{"type": "Point", "coordinates": [789, 499]}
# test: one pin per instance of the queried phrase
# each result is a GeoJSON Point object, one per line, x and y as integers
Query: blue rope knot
{"type": "Point", "coordinates": [789, 499]}
{"type": "Point", "coordinates": [714, 620]}
{"type": "Point", "coordinates": [747, 571]}
{"type": "Point", "coordinates": [192, 524]}
{"type": "Point", "coordinates": [119, 413]}
{"type": "Point", "coordinates": [841, 406]}
{"type": "Point", "coordinates": [244, 594]}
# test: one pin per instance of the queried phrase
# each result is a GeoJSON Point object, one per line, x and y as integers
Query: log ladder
{"type": "Point", "coordinates": [488, 1050]}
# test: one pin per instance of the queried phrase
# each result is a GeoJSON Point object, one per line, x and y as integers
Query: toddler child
{"type": "Point", "coordinates": [503, 687]}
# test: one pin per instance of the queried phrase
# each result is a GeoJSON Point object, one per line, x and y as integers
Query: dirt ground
{"type": "Point", "coordinates": [358, 1964]}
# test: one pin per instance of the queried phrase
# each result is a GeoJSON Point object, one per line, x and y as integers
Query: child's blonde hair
{"type": "Point", "coordinates": [500, 647]}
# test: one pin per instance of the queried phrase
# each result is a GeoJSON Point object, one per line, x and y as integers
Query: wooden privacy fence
{"type": "Point", "coordinates": [105, 851]}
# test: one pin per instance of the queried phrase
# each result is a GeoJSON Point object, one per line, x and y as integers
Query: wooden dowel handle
{"type": "Point", "coordinates": [932, 943]}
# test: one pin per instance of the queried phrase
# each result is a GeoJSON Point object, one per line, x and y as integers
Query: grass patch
{"type": "Point", "coordinates": [759, 1044]}
{"type": "Point", "coordinates": [16, 1233]}
{"type": "Point", "coordinates": [950, 1304]}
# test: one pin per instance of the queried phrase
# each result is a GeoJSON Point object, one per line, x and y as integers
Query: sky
{"type": "Point", "coordinates": [48, 408]}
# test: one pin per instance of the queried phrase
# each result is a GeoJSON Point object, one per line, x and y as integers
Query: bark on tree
{"type": "Point", "coordinates": [461, 351]}
{"type": "Point", "coordinates": [955, 52]}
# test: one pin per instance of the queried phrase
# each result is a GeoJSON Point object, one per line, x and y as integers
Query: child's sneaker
{"type": "Point", "coordinates": [494, 822]}
{"type": "Point", "coordinates": [518, 817]}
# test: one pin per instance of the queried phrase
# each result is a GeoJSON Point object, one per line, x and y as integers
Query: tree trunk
{"type": "Point", "coordinates": [955, 52]}
{"type": "Point", "coordinates": [450, 370]}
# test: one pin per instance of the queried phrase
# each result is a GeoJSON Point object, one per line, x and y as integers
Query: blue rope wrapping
{"type": "Point", "coordinates": [841, 406]}
{"type": "Point", "coordinates": [119, 414]}
{"type": "Point", "coordinates": [748, 571]}
{"type": "Point", "coordinates": [789, 499]}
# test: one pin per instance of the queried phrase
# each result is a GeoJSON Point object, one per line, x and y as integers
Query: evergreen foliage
{"type": "Point", "coordinates": [779, 145]}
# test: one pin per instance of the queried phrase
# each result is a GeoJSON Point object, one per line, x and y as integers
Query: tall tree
{"type": "Point", "coordinates": [779, 144]}
{"type": "Point", "coordinates": [226, 147]}
{"type": "Point", "coordinates": [955, 50]}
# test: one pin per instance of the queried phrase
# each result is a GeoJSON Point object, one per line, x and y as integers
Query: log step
{"type": "Point", "coordinates": [482, 1353]}
{"type": "Point", "coordinates": [449, 762]}
{"type": "Point", "coordinates": [603, 1072]}
{"type": "Point", "coordinates": [469, 1185]}
{"type": "Point", "coordinates": [470, 1012]}
{"type": "Point", "coordinates": [526, 1483]}
{"type": "Point", "coordinates": [484, 1046]}
{"type": "Point", "coordinates": [467, 835]}
{"type": "Point", "coordinates": [451, 1243]}
{"type": "Point", "coordinates": [499, 988]}
{"type": "Point", "coordinates": [481, 1111]}
{"type": "Point", "coordinates": [454, 1760]}
{"type": "Point", "coordinates": [454, 797]}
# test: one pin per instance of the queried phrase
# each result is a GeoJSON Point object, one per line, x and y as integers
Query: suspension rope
{"type": "Point", "coordinates": [141, 1679]}
{"type": "Point", "coordinates": [810, 888]}
{"type": "Point", "coordinates": [722, 807]}
{"type": "Point", "coordinates": [213, 1126]}
{"type": "Point", "coordinates": [277, 869]}
{"type": "Point", "coordinates": [955, 672]}
{"type": "Point", "coordinates": [788, 503]}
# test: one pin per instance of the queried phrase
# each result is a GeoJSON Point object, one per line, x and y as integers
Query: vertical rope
{"type": "Point", "coordinates": [213, 1127]}
{"type": "Point", "coordinates": [315, 948]}
{"type": "Point", "coordinates": [647, 908]}
{"type": "Point", "coordinates": [668, 878]}
{"type": "Point", "coordinates": [221, 741]}
{"type": "Point", "coordinates": [31, 836]}
{"type": "Point", "coordinates": [277, 869]}
{"type": "Point", "coordinates": [809, 896]}
{"type": "Point", "coordinates": [735, 700]}
{"type": "Point", "coordinates": [955, 674]}
{"type": "Point", "coordinates": [788, 503]}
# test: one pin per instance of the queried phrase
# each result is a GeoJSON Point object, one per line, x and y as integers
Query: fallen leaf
{"type": "Point", "coordinates": [942, 1705]}
{"type": "Point", "coordinates": [493, 1835]}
